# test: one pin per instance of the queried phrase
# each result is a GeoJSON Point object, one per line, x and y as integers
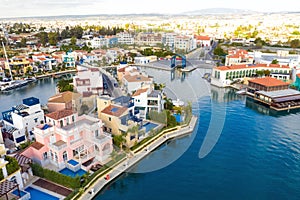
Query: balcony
{"type": "Point", "coordinates": [59, 145]}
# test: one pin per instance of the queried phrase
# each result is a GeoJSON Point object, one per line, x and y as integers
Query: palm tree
{"type": "Point", "coordinates": [119, 140]}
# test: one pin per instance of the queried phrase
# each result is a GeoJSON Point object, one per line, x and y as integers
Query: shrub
{"type": "Point", "coordinates": [56, 177]}
{"type": "Point", "coordinates": [12, 165]}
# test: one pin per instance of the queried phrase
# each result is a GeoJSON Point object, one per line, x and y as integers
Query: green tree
{"type": "Point", "coordinates": [219, 51]}
{"type": "Point", "coordinates": [275, 61]}
{"type": "Point", "coordinates": [43, 38]}
{"type": "Point", "coordinates": [267, 72]}
{"type": "Point", "coordinates": [119, 140]}
{"type": "Point", "coordinates": [295, 43]}
{"type": "Point", "coordinates": [64, 85]}
{"type": "Point", "coordinates": [73, 41]}
{"type": "Point", "coordinates": [260, 73]}
{"type": "Point", "coordinates": [23, 42]}
{"type": "Point", "coordinates": [53, 38]}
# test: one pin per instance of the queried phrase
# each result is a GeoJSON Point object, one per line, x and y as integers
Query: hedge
{"type": "Point", "coordinates": [56, 177]}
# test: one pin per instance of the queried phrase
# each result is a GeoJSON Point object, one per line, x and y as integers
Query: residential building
{"type": "Point", "coordinates": [144, 59]}
{"type": "Point", "coordinates": [21, 119]}
{"type": "Point", "coordinates": [45, 60]}
{"type": "Point", "coordinates": [146, 100]}
{"type": "Point", "coordinates": [203, 41]}
{"type": "Point", "coordinates": [69, 60]}
{"type": "Point", "coordinates": [67, 136]}
{"type": "Point", "coordinates": [238, 57]}
{"type": "Point", "coordinates": [98, 42]}
{"type": "Point", "coordinates": [150, 39]}
{"type": "Point", "coordinates": [20, 64]}
{"type": "Point", "coordinates": [132, 83]}
{"type": "Point", "coordinates": [125, 38]}
{"type": "Point", "coordinates": [88, 80]}
{"type": "Point", "coordinates": [117, 119]}
{"type": "Point", "coordinates": [185, 43]}
{"type": "Point", "coordinates": [168, 40]}
{"type": "Point", "coordinates": [65, 100]}
{"type": "Point", "coordinates": [224, 75]}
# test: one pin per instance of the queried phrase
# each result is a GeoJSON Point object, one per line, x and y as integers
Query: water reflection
{"type": "Point", "coordinates": [258, 107]}
{"type": "Point", "coordinates": [225, 94]}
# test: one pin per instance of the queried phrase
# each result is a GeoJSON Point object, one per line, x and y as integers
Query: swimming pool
{"type": "Point", "coordinates": [38, 195]}
{"type": "Point", "coordinates": [149, 126]}
{"type": "Point", "coordinates": [22, 193]}
{"type": "Point", "coordinates": [69, 172]}
{"type": "Point", "coordinates": [73, 162]}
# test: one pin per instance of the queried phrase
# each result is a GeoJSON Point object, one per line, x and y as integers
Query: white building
{"type": "Point", "coordinates": [20, 121]}
{"type": "Point", "coordinates": [147, 99]}
{"type": "Point", "coordinates": [144, 59]}
{"type": "Point", "coordinates": [223, 76]}
{"type": "Point", "coordinates": [168, 39]}
{"type": "Point", "coordinates": [185, 43]}
{"type": "Point", "coordinates": [132, 83]}
{"type": "Point", "coordinates": [88, 80]}
{"type": "Point", "coordinates": [238, 57]}
{"type": "Point", "coordinates": [98, 42]}
{"type": "Point", "coordinates": [125, 38]}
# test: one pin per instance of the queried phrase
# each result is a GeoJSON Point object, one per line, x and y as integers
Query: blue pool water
{"type": "Point", "coordinates": [15, 192]}
{"type": "Point", "coordinates": [73, 162]}
{"type": "Point", "coordinates": [178, 117]}
{"type": "Point", "coordinates": [38, 195]}
{"type": "Point", "coordinates": [149, 126]}
{"type": "Point", "coordinates": [69, 172]}
{"type": "Point", "coordinates": [256, 157]}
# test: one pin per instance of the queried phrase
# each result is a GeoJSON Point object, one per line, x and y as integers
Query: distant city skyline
{"type": "Point", "coordinates": [28, 8]}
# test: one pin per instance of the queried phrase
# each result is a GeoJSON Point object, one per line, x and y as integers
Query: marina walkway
{"type": "Point", "coordinates": [129, 162]}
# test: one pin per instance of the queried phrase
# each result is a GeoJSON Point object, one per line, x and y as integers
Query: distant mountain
{"type": "Point", "coordinates": [219, 11]}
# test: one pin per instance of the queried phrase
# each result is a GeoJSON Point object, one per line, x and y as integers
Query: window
{"type": "Point", "coordinates": [61, 123]}
{"type": "Point", "coordinates": [109, 119]}
{"type": "Point", "coordinates": [45, 155]}
{"type": "Point", "coordinates": [73, 118]}
{"type": "Point", "coordinates": [96, 133]}
{"type": "Point", "coordinates": [36, 120]}
{"type": "Point", "coordinates": [65, 156]}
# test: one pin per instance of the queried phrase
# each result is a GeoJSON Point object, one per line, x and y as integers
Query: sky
{"type": "Point", "coordinates": [27, 8]}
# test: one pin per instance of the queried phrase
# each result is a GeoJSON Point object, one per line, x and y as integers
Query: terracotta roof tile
{"type": "Point", "coordinates": [64, 97]}
{"type": "Point", "coordinates": [136, 78]}
{"type": "Point", "coordinates": [140, 91]}
{"type": "Point", "coordinates": [60, 114]}
{"type": "Point", "coordinates": [37, 145]}
{"type": "Point", "coordinates": [235, 67]}
{"type": "Point", "coordinates": [268, 82]}
{"type": "Point", "coordinates": [114, 110]}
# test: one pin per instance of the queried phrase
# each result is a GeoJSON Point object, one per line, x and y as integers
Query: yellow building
{"type": "Point", "coordinates": [116, 120]}
{"type": "Point", "coordinates": [20, 65]}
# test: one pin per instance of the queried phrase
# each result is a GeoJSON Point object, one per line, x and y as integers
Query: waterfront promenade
{"type": "Point", "coordinates": [91, 191]}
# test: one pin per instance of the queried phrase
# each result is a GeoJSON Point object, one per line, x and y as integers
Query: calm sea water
{"type": "Point", "coordinates": [257, 155]}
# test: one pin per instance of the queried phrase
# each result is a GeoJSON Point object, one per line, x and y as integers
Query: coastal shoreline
{"type": "Point", "coordinates": [95, 188]}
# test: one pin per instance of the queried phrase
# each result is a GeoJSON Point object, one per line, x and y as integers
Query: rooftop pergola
{"type": "Point", "coordinates": [6, 187]}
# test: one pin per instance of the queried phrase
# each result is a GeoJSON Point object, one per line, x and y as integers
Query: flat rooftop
{"type": "Point", "coordinates": [279, 93]}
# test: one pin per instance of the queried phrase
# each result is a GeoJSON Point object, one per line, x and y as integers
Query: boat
{"type": "Point", "coordinates": [7, 86]}
{"type": "Point", "coordinates": [31, 79]}
{"type": "Point", "coordinates": [240, 92]}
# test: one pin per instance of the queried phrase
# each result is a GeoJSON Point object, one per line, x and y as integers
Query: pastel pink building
{"type": "Point", "coordinates": [67, 136]}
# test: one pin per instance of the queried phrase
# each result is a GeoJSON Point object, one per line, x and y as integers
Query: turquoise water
{"type": "Point", "coordinates": [38, 195]}
{"type": "Point", "coordinates": [73, 162]}
{"type": "Point", "coordinates": [16, 192]}
{"type": "Point", "coordinates": [69, 172]}
{"type": "Point", "coordinates": [149, 126]}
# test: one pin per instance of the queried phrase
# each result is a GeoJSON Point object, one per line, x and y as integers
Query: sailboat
{"type": "Point", "coordinates": [8, 83]}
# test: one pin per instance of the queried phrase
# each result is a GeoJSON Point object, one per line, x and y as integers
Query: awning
{"type": "Point", "coordinates": [284, 99]}
{"type": "Point", "coordinates": [22, 160]}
